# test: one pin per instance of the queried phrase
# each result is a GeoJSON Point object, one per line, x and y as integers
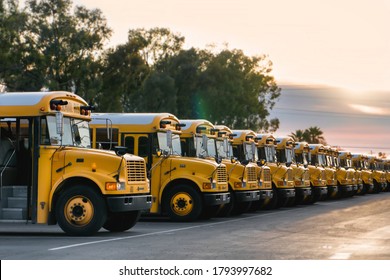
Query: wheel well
{"type": "Point", "coordinates": [63, 186]}
{"type": "Point", "coordinates": [174, 183]}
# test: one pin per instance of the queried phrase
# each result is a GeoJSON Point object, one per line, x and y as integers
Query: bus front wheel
{"type": "Point", "coordinates": [117, 222]}
{"type": "Point", "coordinates": [80, 211]}
{"type": "Point", "coordinates": [183, 203]}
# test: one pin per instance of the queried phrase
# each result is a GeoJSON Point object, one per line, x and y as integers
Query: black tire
{"type": "Point", "coordinates": [183, 203]}
{"type": "Point", "coordinates": [80, 211]}
{"type": "Point", "coordinates": [226, 210]}
{"type": "Point", "coordinates": [274, 203]}
{"type": "Point", "coordinates": [117, 222]}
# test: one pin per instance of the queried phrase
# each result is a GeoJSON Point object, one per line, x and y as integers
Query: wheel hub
{"type": "Point", "coordinates": [182, 204]}
{"type": "Point", "coordinates": [79, 211]}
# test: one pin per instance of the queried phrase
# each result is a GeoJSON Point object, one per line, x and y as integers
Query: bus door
{"type": "Point", "coordinates": [16, 163]}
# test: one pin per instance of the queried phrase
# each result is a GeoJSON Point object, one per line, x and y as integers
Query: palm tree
{"type": "Point", "coordinates": [298, 135]}
{"type": "Point", "coordinates": [315, 135]}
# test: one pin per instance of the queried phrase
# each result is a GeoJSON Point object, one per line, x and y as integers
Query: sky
{"type": "Point", "coordinates": [338, 48]}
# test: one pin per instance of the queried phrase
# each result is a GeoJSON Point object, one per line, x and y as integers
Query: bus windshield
{"type": "Point", "coordinates": [250, 152]}
{"type": "Point", "coordinates": [163, 143]}
{"type": "Point", "coordinates": [223, 150]}
{"type": "Point", "coordinates": [270, 153]}
{"type": "Point", "coordinates": [321, 159]}
{"type": "Point", "coordinates": [208, 151]}
{"type": "Point", "coordinates": [289, 156]}
{"type": "Point", "coordinates": [76, 132]}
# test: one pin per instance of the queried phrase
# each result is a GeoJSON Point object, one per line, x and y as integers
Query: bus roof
{"type": "Point", "coordinates": [283, 142]}
{"type": "Point", "coordinates": [243, 135]}
{"type": "Point", "coordinates": [265, 139]}
{"type": "Point", "coordinates": [191, 127]}
{"type": "Point", "coordinates": [21, 104]}
{"type": "Point", "coordinates": [142, 122]}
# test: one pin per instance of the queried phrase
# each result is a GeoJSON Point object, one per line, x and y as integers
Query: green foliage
{"type": "Point", "coordinates": [47, 46]}
{"type": "Point", "coordinates": [312, 135]}
{"type": "Point", "coordinates": [237, 90]}
{"type": "Point", "coordinates": [56, 49]}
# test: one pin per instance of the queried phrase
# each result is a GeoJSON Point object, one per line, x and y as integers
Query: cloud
{"type": "Point", "coordinates": [372, 110]}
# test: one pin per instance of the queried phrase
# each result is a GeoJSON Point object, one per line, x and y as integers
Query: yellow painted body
{"type": "Point", "coordinates": [57, 167]}
{"type": "Point", "coordinates": [164, 171]}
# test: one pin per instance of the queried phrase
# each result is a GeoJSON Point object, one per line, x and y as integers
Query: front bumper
{"type": "Point", "coordinates": [266, 194]}
{"type": "Point", "coordinates": [346, 188]}
{"type": "Point", "coordinates": [128, 203]}
{"type": "Point", "coordinates": [320, 191]}
{"type": "Point", "coordinates": [245, 196]}
{"type": "Point", "coordinates": [216, 198]}
{"type": "Point", "coordinates": [302, 192]}
{"type": "Point", "coordinates": [286, 193]}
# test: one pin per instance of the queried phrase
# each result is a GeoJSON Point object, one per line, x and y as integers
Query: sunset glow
{"type": "Point", "coordinates": [335, 44]}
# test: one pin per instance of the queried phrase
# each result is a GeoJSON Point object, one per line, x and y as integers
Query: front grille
{"type": "Point", "coordinates": [136, 171]}
{"type": "Point", "coordinates": [323, 175]}
{"type": "Point", "coordinates": [290, 175]}
{"type": "Point", "coordinates": [267, 175]}
{"type": "Point", "coordinates": [221, 174]}
{"type": "Point", "coordinates": [251, 171]}
{"type": "Point", "coordinates": [306, 176]}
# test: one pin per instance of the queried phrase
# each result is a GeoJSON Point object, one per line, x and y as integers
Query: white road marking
{"type": "Point", "coordinates": [168, 231]}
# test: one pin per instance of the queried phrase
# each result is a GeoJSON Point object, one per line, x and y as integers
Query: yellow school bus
{"type": "Point", "coordinates": [378, 176]}
{"type": "Point", "coordinates": [386, 166]}
{"type": "Point", "coordinates": [199, 139]}
{"type": "Point", "coordinates": [184, 188]}
{"type": "Point", "coordinates": [345, 176]}
{"type": "Point", "coordinates": [50, 174]}
{"type": "Point", "coordinates": [318, 158]}
{"type": "Point", "coordinates": [360, 162]}
{"type": "Point", "coordinates": [345, 161]}
{"type": "Point", "coordinates": [285, 154]}
{"type": "Point", "coordinates": [263, 172]}
{"type": "Point", "coordinates": [317, 173]}
{"type": "Point", "coordinates": [281, 175]}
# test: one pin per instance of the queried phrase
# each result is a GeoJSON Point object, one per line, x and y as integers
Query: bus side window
{"type": "Point", "coordinates": [143, 146]}
{"type": "Point", "coordinates": [129, 144]}
{"type": "Point", "coordinates": [262, 155]}
{"type": "Point", "coordinates": [45, 140]}
{"type": "Point", "coordinates": [101, 138]}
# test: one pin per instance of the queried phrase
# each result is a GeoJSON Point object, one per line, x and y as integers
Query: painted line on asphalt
{"type": "Point", "coordinates": [169, 231]}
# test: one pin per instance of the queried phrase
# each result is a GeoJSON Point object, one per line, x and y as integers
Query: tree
{"type": "Point", "coordinates": [299, 135]}
{"type": "Point", "coordinates": [133, 72]}
{"type": "Point", "coordinates": [315, 135]}
{"type": "Point", "coordinates": [124, 72]}
{"type": "Point", "coordinates": [58, 50]}
{"type": "Point", "coordinates": [184, 68]}
{"type": "Point", "coordinates": [12, 25]}
{"type": "Point", "coordinates": [237, 90]}
{"type": "Point", "coordinates": [156, 44]}
{"type": "Point", "coordinates": [312, 135]}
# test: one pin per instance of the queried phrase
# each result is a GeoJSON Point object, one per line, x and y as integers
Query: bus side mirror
{"type": "Point", "coordinates": [120, 151]}
{"type": "Point", "coordinates": [204, 142]}
{"type": "Point", "coordinates": [109, 129]}
{"type": "Point", "coordinates": [76, 133]}
{"type": "Point", "coordinates": [169, 139]}
{"type": "Point", "coordinates": [60, 123]}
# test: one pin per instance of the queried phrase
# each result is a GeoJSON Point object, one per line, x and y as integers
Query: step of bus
{"type": "Point", "coordinates": [13, 191]}
{"type": "Point", "coordinates": [17, 202]}
{"type": "Point", "coordinates": [14, 214]}
{"type": "Point", "coordinates": [13, 204]}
